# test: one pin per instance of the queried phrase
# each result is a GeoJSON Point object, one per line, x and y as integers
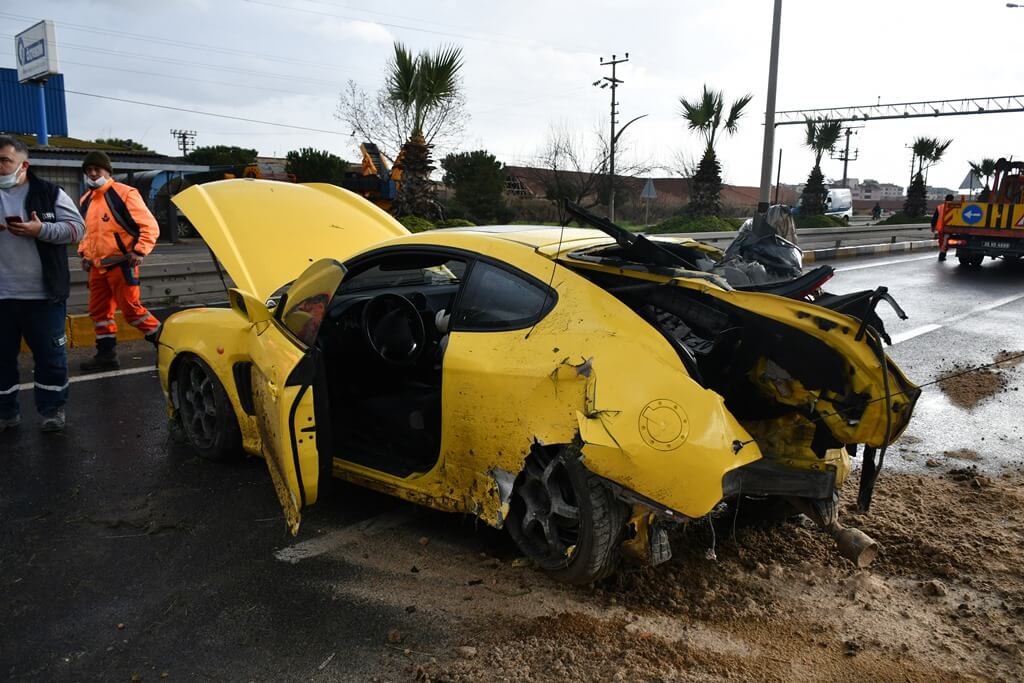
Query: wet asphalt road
{"type": "Point", "coordinates": [955, 315]}
{"type": "Point", "coordinates": [112, 524]}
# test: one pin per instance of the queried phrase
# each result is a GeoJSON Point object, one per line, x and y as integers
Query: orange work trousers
{"type": "Point", "coordinates": [116, 288]}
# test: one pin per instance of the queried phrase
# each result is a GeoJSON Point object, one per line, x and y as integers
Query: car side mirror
{"type": "Point", "coordinates": [248, 306]}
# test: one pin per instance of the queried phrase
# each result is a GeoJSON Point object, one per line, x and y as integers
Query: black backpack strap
{"type": "Point", "coordinates": [85, 204]}
{"type": "Point", "coordinates": [119, 210]}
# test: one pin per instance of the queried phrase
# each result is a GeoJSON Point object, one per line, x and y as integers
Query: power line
{"type": "Point", "coordinates": [200, 65]}
{"type": "Point", "coordinates": [203, 113]}
{"type": "Point", "coordinates": [487, 38]}
{"type": "Point", "coordinates": [184, 78]}
{"type": "Point", "coordinates": [174, 43]}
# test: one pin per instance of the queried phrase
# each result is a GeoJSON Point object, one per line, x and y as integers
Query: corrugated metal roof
{"type": "Point", "coordinates": [19, 105]}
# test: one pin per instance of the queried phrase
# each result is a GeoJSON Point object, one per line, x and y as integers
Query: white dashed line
{"type": "Point", "coordinates": [952, 320]}
{"type": "Point", "coordinates": [885, 263]}
{"type": "Point", "coordinates": [99, 375]}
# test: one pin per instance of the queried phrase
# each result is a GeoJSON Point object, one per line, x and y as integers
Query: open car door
{"type": "Point", "coordinates": [289, 391]}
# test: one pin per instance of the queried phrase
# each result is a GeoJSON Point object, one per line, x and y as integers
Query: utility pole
{"type": "Point", "coordinates": [845, 156]}
{"type": "Point", "coordinates": [186, 140]}
{"type": "Point", "coordinates": [769, 114]}
{"type": "Point", "coordinates": [613, 82]}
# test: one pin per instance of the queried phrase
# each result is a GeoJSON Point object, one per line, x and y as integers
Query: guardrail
{"type": "Point", "coordinates": [833, 238]}
{"type": "Point", "coordinates": [196, 280]}
{"type": "Point", "coordinates": [166, 284]}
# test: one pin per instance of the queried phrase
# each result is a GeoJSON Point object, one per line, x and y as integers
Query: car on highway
{"type": "Point", "coordinates": [585, 389]}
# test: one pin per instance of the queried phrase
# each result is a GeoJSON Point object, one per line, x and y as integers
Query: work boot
{"type": "Point", "coordinates": [942, 256]}
{"type": "Point", "coordinates": [12, 422]}
{"type": "Point", "coordinates": [54, 422]}
{"type": "Point", "coordinates": [103, 360]}
{"type": "Point", "coordinates": [154, 336]}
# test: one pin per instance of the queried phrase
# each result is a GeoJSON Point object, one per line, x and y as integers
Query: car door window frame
{"type": "Point", "coordinates": [549, 301]}
{"type": "Point", "coordinates": [472, 259]}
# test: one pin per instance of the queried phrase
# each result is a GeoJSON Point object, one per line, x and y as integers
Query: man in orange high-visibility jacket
{"type": "Point", "coordinates": [119, 232]}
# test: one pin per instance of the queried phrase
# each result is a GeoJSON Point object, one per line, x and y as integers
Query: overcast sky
{"type": "Point", "coordinates": [529, 66]}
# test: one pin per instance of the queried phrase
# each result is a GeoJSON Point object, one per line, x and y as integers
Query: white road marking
{"type": "Point", "coordinates": [885, 263]}
{"type": "Point", "coordinates": [915, 332]}
{"type": "Point", "coordinates": [366, 528]}
{"type": "Point", "coordinates": [99, 375]}
{"type": "Point", "coordinates": [952, 320]}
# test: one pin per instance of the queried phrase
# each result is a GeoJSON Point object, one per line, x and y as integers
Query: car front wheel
{"type": "Point", "coordinates": [565, 518]}
{"type": "Point", "coordinates": [204, 410]}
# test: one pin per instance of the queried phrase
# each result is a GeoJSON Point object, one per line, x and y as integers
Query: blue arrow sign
{"type": "Point", "coordinates": [972, 214]}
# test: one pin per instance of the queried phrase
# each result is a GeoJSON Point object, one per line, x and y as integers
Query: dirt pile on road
{"type": "Point", "coordinates": [944, 601]}
{"type": "Point", "coordinates": [967, 387]}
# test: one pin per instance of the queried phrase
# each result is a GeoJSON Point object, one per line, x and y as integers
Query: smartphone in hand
{"type": "Point", "coordinates": [11, 219]}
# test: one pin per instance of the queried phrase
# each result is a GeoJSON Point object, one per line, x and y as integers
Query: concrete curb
{"type": "Point", "coordinates": [80, 328]}
{"type": "Point", "coordinates": [815, 255]}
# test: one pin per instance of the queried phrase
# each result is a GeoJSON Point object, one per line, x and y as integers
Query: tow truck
{"type": "Point", "coordinates": [993, 226]}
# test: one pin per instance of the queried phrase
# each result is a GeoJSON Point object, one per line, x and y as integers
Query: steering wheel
{"type": "Point", "coordinates": [394, 329]}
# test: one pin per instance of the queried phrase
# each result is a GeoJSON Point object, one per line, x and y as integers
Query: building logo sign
{"type": "Point", "coordinates": [30, 53]}
{"type": "Point", "coordinates": [35, 50]}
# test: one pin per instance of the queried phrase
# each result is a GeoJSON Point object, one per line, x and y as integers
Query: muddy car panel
{"type": "Point", "coordinates": [591, 368]}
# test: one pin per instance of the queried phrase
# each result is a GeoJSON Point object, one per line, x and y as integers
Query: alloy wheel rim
{"type": "Point", "coordinates": [550, 523]}
{"type": "Point", "coordinates": [198, 406]}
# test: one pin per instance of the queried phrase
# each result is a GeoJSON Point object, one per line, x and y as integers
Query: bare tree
{"type": "Point", "coordinates": [379, 119]}
{"type": "Point", "coordinates": [567, 169]}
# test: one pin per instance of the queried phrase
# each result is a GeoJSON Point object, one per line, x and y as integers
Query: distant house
{"type": "Point", "coordinates": [527, 183]}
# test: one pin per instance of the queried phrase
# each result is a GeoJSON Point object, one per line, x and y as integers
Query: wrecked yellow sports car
{"type": "Point", "coordinates": [584, 389]}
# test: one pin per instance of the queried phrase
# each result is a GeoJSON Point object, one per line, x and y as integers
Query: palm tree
{"type": "Point", "coordinates": [822, 137]}
{"type": "Point", "coordinates": [927, 153]}
{"type": "Point", "coordinates": [705, 116]}
{"type": "Point", "coordinates": [985, 168]}
{"type": "Point", "coordinates": [419, 84]}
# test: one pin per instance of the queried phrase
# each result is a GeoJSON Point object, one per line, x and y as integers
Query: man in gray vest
{"type": "Point", "coordinates": [38, 220]}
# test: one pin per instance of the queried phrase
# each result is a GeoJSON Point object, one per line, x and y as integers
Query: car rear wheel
{"type": "Point", "coordinates": [204, 411]}
{"type": "Point", "coordinates": [565, 518]}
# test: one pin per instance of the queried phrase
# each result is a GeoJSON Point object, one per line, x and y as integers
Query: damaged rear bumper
{"type": "Point", "coordinates": [767, 478]}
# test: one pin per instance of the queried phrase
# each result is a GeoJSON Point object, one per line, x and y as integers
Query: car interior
{"type": "Point", "coordinates": [382, 338]}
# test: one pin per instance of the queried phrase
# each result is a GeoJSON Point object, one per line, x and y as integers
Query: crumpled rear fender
{"type": "Point", "coordinates": [668, 439]}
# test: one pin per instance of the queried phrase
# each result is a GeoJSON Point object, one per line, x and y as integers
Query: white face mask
{"type": "Point", "coordinates": [9, 181]}
{"type": "Point", "coordinates": [99, 182]}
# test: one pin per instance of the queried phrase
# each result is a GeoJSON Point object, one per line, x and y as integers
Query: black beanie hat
{"type": "Point", "coordinates": [97, 158]}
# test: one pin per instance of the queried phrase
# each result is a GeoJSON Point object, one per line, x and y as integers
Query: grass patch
{"type": "Point", "coordinates": [819, 221]}
{"type": "Point", "coordinates": [695, 224]}
{"type": "Point", "coordinates": [455, 223]}
{"type": "Point", "coordinates": [415, 223]}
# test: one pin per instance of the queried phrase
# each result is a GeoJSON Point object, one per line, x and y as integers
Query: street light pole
{"type": "Point", "coordinates": [769, 114]}
{"type": "Point", "coordinates": [612, 138]}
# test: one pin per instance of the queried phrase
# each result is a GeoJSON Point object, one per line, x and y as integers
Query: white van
{"type": "Point", "coordinates": [839, 203]}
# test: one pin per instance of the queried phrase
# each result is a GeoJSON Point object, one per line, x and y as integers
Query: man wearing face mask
{"type": "Point", "coordinates": [39, 220]}
{"type": "Point", "coordinates": [119, 232]}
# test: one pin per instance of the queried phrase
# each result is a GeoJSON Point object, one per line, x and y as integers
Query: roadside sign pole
{"type": "Point", "coordinates": [42, 136]}
{"type": "Point", "coordinates": [647, 195]}
{"type": "Point", "coordinates": [778, 174]}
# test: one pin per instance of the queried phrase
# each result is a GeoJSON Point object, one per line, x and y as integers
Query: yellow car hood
{"type": "Point", "coordinates": [266, 232]}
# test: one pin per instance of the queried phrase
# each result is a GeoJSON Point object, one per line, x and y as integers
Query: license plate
{"type": "Point", "coordinates": [995, 245]}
